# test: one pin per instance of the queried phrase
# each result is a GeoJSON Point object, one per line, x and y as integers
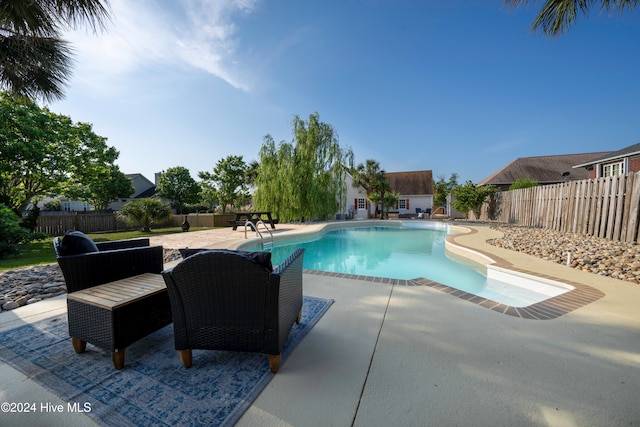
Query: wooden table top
{"type": "Point", "coordinates": [121, 292]}
{"type": "Point", "coordinates": [250, 214]}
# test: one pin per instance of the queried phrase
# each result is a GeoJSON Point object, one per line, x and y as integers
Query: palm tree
{"type": "Point", "coordinates": [34, 60]}
{"type": "Point", "coordinates": [383, 191]}
{"type": "Point", "coordinates": [557, 16]}
{"type": "Point", "coordinates": [368, 176]}
{"type": "Point", "coordinates": [144, 212]}
{"type": "Point", "coordinates": [390, 199]}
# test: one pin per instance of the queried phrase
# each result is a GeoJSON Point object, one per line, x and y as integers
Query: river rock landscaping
{"type": "Point", "coordinates": [604, 257]}
{"type": "Point", "coordinates": [29, 285]}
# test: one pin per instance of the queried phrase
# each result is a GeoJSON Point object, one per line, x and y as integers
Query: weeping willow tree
{"type": "Point", "coordinates": [303, 179]}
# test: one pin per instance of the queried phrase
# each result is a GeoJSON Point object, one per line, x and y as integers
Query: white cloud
{"type": "Point", "coordinates": [195, 33]}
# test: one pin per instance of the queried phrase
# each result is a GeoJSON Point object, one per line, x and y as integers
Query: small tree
{"type": "Point", "coordinates": [108, 187]}
{"type": "Point", "coordinates": [144, 212]}
{"type": "Point", "coordinates": [520, 183]}
{"type": "Point", "coordinates": [469, 197]}
{"type": "Point", "coordinates": [443, 188]}
{"type": "Point", "coordinates": [177, 185]}
{"type": "Point", "coordinates": [208, 196]}
{"type": "Point", "coordinates": [229, 179]}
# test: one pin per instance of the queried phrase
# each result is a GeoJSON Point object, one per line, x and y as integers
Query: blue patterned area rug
{"type": "Point", "coordinates": [153, 389]}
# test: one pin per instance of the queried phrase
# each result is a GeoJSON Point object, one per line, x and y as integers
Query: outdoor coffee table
{"type": "Point", "coordinates": [117, 314]}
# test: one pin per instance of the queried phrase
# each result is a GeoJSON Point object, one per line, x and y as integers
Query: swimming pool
{"type": "Point", "coordinates": [409, 250]}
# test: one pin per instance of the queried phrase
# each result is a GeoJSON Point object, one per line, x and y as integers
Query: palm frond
{"type": "Point", "coordinates": [557, 16]}
{"type": "Point", "coordinates": [35, 66]}
{"type": "Point", "coordinates": [75, 12]}
{"type": "Point", "coordinates": [27, 17]}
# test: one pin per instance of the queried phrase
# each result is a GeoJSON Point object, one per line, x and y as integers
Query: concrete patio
{"type": "Point", "coordinates": [413, 355]}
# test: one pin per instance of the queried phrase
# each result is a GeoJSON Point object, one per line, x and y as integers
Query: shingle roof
{"type": "Point", "coordinates": [149, 192]}
{"type": "Point", "coordinates": [628, 151]}
{"type": "Point", "coordinates": [543, 169]}
{"type": "Point", "coordinates": [411, 183]}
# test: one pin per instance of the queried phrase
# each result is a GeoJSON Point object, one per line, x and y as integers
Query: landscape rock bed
{"type": "Point", "coordinates": [619, 260]}
{"type": "Point", "coordinates": [29, 285]}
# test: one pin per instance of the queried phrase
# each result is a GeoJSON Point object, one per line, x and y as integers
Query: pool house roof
{"type": "Point", "coordinates": [411, 183]}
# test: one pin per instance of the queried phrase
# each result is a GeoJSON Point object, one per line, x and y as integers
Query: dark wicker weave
{"type": "Point", "coordinates": [113, 330]}
{"type": "Point", "coordinates": [221, 300]}
{"type": "Point", "coordinates": [115, 260]}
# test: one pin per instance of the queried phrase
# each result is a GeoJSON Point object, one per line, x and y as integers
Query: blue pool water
{"type": "Point", "coordinates": [407, 252]}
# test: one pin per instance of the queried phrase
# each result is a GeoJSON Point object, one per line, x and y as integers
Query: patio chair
{"type": "Point", "coordinates": [85, 264]}
{"type": "Point", "coordinates": [115, 324]}
{"type": "Point", "coordinates": [234, 301]}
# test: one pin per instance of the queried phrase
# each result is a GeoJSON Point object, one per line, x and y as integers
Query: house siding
{"type": "Point", "coordinates": [634, 164]}
{"type": "Point", "coordinates": [349, 206]}
{"type": "Point", "coordinates": [413, 202]}
{"type": "Point", "coordinates": [628, 156]}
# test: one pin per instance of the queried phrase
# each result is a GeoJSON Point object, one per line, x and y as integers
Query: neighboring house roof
{"type": "Point", "coordinates": [139, 176]}
{"type": "Point", "coordinates": [543, 169]}
{"type": "Point", "coordinates": [632, 150]}
{"type": "Point", "coordinates": [149, 192]}
{"type": "Point", "coordinates": [411, 183]}
{"type": "Point", "coordinates": [142, 186]}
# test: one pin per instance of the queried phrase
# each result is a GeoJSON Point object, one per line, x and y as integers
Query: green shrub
{"type": "Point", "coordinates": [469, 197]}
{"type": "Point", "coordinates": [144, 212]}
{"type": "Point", "coordinates": [53, 205]}
{"type": "Point", "coordinates": [12, 234]}
{"type": "Point", "coordinates": [520, 183]}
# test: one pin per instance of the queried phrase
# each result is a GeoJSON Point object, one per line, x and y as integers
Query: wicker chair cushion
{"type": "Point", "coordinates": [76, 243]}
{"type": "Point", "coordinates": [261, 258]}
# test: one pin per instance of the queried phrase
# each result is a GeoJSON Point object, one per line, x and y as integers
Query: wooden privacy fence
{"type": "Point", "coordinates": [95, 222]}
{"type": "Point", "coordinates": [603, 207]}
{"type": "Point", "coordinates": [87, 222]}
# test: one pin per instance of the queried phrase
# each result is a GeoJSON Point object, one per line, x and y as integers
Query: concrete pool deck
{"type": "Point", "coordinates": [413, 355]}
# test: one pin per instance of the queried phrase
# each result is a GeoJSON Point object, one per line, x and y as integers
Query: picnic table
{"type": "Point", "coordinates": [242, 217]}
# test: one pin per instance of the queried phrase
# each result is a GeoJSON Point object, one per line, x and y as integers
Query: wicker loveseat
{"type": "Point", "coordinates": [228, 300]}
{"type": "Point", "coordinates": [117, 326]}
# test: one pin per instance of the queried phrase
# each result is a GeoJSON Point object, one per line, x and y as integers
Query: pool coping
{"type": "Point", "coordinates": [548, 309]}
{"type": "Point", "coordinates": [551, 308]}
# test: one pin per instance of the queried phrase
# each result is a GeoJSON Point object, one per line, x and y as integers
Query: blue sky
{"type": "Point", "coordinates": [457, 86]}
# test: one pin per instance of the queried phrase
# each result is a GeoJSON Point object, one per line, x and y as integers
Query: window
{"type": "Point", "coordinates": [402, 204]}
{"type": "Point", "coordinates": [613, 169]}
{"type": "Point", "coordinates": [362, 204]}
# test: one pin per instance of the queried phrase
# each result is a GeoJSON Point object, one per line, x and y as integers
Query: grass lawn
{"type": "Point", "coordinates": [42, 252]}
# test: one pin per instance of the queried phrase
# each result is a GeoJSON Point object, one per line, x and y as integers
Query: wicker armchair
{"type": "Point", "coordinates": [114, 260]}
{"type": "Point", "coordinates": [112, 329]}
{"type": "Point", "coordinates": [224, 300]}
